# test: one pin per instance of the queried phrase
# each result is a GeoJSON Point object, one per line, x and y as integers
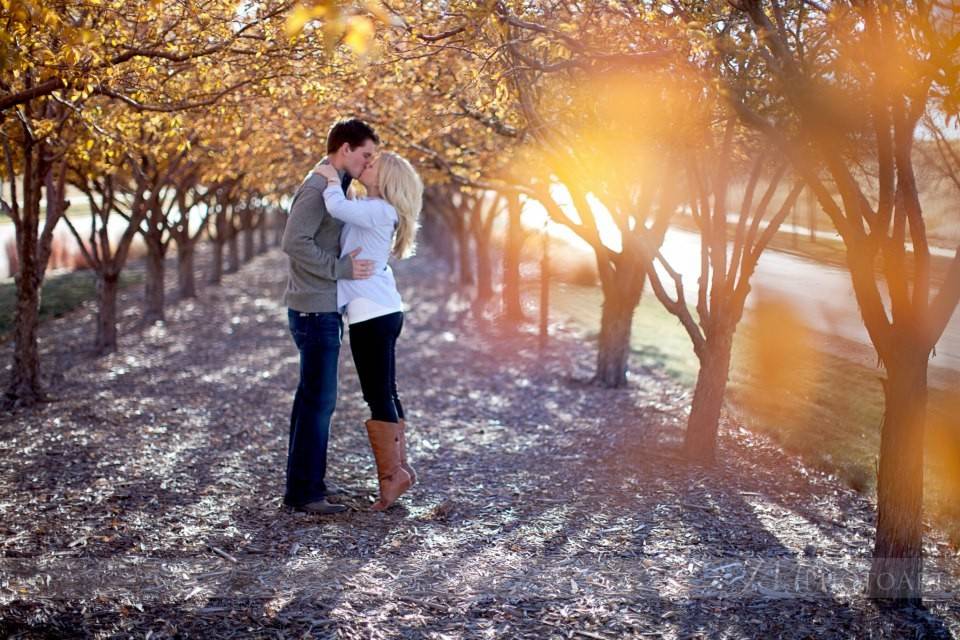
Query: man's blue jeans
{"type": "Point", "coordinates": [318, 337]}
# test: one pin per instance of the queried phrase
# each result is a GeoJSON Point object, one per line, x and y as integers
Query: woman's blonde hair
{"type": "Point", "coordinates": [401, 186]}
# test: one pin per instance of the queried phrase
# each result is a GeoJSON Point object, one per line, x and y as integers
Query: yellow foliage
{"type": "Point", "coordinates": [302, 14]}
{"type": "Point", "coordinates": [359, 32]}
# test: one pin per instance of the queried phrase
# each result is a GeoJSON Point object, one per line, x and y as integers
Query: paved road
{"type": "Point", "coordinates": [821, 294]}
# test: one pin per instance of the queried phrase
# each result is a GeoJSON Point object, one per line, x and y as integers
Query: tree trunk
{"type": "Point", "coordinates": [233, 249]}
{"type": "Point", "coordinates": [186, 279]}
{"type": "Point", "coordinates": [700, 440]}
{"type": "Point", "coordinates": [262, 228]}
{"type": "Point", "coordinates": [216, 266]}
{"type": "Point", "coordinates": [463, 246]}
{"type": "Point", "coordinates": [795, 236]}
{"type": "Point", "coordinates": [25, 386]}
{"type": "Point", "coordinates": [619, 302]}
{"type": "Point", "coordinates": [154, 287]}
{"type": "Point", "coordinates": [512, 306]}
{"type": "Point", "coordinates": [897, 564]}
{"type": "Point", "coordinates": [438, 235]}
{"type": "Point", "coordinates": [812, 211]}
{"type": "Point", "coordinates": [484, 271]}
{"type": "Point", "coordinates": [279, 222]}
{"type": "Point", "coordinates": [428, 226]}
{"type": "Point", "coordinates": [32, 257]}
{"type": "Point", "coordinates": [108, 284]}
{"type": "Point", "coordinates": [544, 288]}
{"type": "Point", "coordinates": [249, 244]}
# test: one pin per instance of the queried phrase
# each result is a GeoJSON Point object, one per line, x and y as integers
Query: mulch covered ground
{"type": "Point", "coordinates": [145, 501]}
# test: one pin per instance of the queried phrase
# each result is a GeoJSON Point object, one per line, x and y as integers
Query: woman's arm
{"type": "Point", "coordinates": [363, 213]}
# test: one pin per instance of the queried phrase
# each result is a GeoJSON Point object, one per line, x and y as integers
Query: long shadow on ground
{"type": "Point", "coordinates": [546, 505]}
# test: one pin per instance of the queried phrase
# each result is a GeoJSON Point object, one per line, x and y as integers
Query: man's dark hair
{"type": "Point", "coordinates": [353, 131]}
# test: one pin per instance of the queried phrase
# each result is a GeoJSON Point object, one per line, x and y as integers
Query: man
{"type": "Point", "coordinates": [312, 242]}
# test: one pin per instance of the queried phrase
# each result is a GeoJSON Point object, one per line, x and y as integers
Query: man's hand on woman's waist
{"type": "Point", "coordinates": [362, 268]}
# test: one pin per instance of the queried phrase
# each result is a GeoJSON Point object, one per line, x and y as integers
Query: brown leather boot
{"type": "Point", "coordinates": [385, 442]}
{"type": "Point", "coordinates": [403, 452]}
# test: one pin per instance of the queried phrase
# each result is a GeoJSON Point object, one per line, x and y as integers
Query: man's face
{"type": "Point", "coordinates": [357, 159]}
{"type": "Point", "coordinates": [371, 174]}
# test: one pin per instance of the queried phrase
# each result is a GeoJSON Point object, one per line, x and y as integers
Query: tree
{"type": "Point", "coordinates": [219, 231]}
{"type": "Point", "coordinates": [484, 210]}
{"type": "Point", "coordinates": [60, 61]}
{"type": "Point", "coordinates": [581, 144]}
{"type": "Point", "coordinates": [851, 82]}
{"type": "Point", "coordinates": [33, 152]}
{"type": "Point", "coordinates": [515, 236]}
{"type": "Point", "coordinates": [726, 264]}
{"type": "Point", "coordinates": [100, 182]}
{"type": "Point", "coordinates": [186, 230]}
{"type": "Point", "coordinates": [157, 171]}
{"type": "Point", "coordinates": [524, 63]}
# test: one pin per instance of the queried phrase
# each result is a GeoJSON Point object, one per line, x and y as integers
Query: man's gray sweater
{"type": "Point", "coordinates": [311, 239]}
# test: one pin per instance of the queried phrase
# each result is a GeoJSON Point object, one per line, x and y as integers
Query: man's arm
{"type": "Point", "coordinates": [298, 240]}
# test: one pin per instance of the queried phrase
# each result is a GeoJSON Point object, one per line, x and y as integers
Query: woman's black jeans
{"type": "Point", "coordinates": [373, 343]}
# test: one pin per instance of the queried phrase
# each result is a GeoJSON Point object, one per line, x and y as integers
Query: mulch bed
{"type": "Point", "coordinates": [145, 500]}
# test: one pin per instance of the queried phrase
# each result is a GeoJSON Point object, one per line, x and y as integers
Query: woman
{"type": "Point", "coordinates": [384, 222]}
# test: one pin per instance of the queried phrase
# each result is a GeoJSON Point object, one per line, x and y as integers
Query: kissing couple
{"type": "Point", "coordinates": [338, 246]}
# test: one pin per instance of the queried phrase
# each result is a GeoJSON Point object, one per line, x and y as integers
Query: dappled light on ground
{"type": "Point", "coordinates": [546, 505]}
